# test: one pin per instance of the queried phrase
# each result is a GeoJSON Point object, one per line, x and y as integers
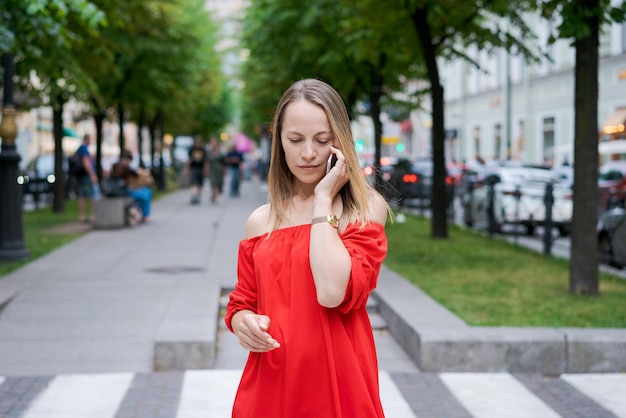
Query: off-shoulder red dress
{"type": "Point", "coordinates": [326, 366]}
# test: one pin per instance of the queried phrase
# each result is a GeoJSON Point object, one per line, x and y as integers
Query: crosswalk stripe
{"type": "Point", "coordinates": [208, 393]}
{"type": "Point", "coordinates": [79, 396]}
{"type": "Point", "coordinates": [393, 402]}
{"type": "Point", "coordinates": [212, 392]}
{"type": "Point", "coordinates": [495, 395]}
{"type": "Point", "coordinates": [609, 390]}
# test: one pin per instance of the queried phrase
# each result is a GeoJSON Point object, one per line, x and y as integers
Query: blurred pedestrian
{"type": "Point", "coordinates": [198, 169]}
{"type": "Point", "coordinates": [86, 182]}
{"type": "Point", "coordinates": [234, 160]}
{"type": "Point", "coordinates": [138, 182]}
{"type": "Point", "coordinates": [306, 267]}
{"type": "Point", "coordinates": [215, 159]}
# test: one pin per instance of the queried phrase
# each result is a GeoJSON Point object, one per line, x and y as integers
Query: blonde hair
{"type": "Point", "coordinates": [356, 192]}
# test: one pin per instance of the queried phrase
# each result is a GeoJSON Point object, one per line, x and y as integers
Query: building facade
{"type": "Point", "coordinates": [509, 109]}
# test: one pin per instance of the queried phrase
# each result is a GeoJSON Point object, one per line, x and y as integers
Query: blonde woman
{"type": "Point", "coordinates": [308, 263]}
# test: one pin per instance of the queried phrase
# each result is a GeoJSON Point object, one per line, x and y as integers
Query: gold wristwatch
{"type": "Point", "coordinates": [330, 218]}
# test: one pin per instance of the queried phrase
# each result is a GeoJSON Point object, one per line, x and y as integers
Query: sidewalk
{"type": "Point", "coordinates": [116, 300]}
{"type": "Point", "coordinates": [139, 300]}
{"type": "Point", "coordinates": [148, 298]}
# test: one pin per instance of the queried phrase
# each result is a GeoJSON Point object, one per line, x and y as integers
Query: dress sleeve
{"type": "Point", "coordinates": [367, 246]}
{"type": "Point", "coordinates": [245, 294]}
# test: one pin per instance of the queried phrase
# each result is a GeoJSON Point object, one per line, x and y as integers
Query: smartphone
{"type": "Point", "coordinates": [332, 159]}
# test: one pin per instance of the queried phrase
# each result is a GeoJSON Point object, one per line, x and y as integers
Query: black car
{"type": "Point", "coordinates": [38, 176]}
{"type": "Point", "coordinates": [611, 231]}
{"type": "Point", "coordinates": [412, 183]}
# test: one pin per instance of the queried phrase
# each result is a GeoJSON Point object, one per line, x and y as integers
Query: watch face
{"type": "Point", "coordinates": [332, 220]}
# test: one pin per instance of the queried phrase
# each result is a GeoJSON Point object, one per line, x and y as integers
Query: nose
{"type": "Point", "coordinates": [309, 151]}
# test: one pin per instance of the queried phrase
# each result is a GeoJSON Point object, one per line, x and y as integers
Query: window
{"type": "Point", "coordinates": [497, 141]}
{"type": "Point", "coordinates": [548, 139]}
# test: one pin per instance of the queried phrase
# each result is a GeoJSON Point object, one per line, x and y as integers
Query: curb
{"type": "Point", "coordinates": [438, 341]}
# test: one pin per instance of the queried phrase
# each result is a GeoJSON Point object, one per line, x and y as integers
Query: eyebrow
{"type": "Point", "coordinates": [317, 134]}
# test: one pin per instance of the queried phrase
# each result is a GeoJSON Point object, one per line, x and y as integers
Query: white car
{"type": "Point", "coordinates": [519, 198]}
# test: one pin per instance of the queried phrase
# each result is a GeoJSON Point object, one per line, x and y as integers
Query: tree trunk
{"type": "Point", "coordinates": [140, 122]}
{"type": "Point", "coordinates": [583, 251]}
{"type": "Point", "coordinates": [378, 129]}
{"type": "Point", "coordinates": [374, 98]}
{"type": "Point", "coordinates": [120, 115]}
{"type": "Point", "coordinates": [58, 190]}
{"type": "Point", "coordinates": [160, 175]}
{"type": "Point", "coordinates": [439, 204]}
{"type": "Point", "coordinates": [152, 126]}
{"type": "Point", "coordinates": [99, 121]}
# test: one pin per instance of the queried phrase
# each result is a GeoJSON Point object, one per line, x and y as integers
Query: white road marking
{"type": "Point", "coordinates": [495, 395]}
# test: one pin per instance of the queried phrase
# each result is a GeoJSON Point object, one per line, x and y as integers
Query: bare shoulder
{"type": "Point", "coordinates": [258, 222]}
{"type": "Point", "coordinates": [378, 209]}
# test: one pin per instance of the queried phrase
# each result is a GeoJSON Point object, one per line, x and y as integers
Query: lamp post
{"type": "Point", "coordinates": [11, 225]}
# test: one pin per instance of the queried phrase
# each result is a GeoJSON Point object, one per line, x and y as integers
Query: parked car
{"type": "Point", "coordinates": [412, 182]}
{"type": "Point", "coordinates": [611, 231]}
{"type": "Point", "coordinates": [518, 199]}
{"type": "Point", "coordinates": [38, 176]}
{"type": "Point", "coordinates": [470, 177]}
{"type": "Point", "coordinates": [455, 171]}
{"type": "Point", "coordinates": [611, 185]}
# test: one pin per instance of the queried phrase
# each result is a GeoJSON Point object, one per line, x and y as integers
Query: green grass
{"type": "Point", "coordinates": [39, 238]}
{"type": "Point", "coordinates": [491, 282]}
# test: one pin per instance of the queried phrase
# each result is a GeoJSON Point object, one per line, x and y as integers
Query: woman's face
{"type": "Point", "coordinates": [306, 139]}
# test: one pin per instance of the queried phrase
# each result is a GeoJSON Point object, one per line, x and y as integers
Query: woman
{"type": "Point", "coordinates": [309, 261]}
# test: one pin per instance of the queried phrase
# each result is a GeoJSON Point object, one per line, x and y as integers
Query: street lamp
{"type": "Point", "coordinates": [11, 225]}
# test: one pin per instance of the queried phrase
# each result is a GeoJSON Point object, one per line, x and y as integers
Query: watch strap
{"type": "Point", "coordinates": [330, 218]}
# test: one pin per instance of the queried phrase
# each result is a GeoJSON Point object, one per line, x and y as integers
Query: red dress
{"type": "Point", "coordinates": [326, 366]}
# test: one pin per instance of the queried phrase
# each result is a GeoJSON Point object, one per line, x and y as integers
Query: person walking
{"type": "Point", "coordinates": [86, 182]}
{"type": "Point", "coordinates": [234, 160]}
{"type": "Point", "coordinates": [215, 159]}
{"type": "Point", "coordinates": [198, 169]}
{"type": "Point", "coordinates": [308, 262]}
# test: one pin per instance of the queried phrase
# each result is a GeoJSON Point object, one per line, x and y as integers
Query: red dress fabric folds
{"type": "Point", "coordinates": [326, 365]}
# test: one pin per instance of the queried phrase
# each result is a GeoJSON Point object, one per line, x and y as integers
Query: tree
{"type": "Point", "coordinates": [155, 64]}
{"type": "Point", "coordinates": [444, 28]}
{"type": "Point", "coordinates": [580, 21]}
{"type": "Point", "coordinates": [56, 26]}
{"type": "Point", "coordinates": [354, 46]}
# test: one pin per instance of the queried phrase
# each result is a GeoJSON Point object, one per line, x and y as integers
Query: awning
{"type": "Point", "coordinates": [615, 123]}
{"type": "Point", "coordinates": [70, 132]}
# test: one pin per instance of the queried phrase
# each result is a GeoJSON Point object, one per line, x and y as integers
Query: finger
{"type": "Point", "coordinates": [264, 323]}
{"type": "Point", "coordinates": [254, 344]}
{"type": "Point", "coordinates": [253, 329]}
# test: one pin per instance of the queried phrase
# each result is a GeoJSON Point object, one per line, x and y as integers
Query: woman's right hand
{"type": "Point", "coordinates": [251, 330]}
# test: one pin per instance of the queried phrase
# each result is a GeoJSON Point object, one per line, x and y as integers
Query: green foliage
{"type": "Point", "coordinates": [358, 47]}
{"type": "Point", "coordinates": [33, 20]}
{"type": "Point", "coordinates": [151, 55]}
{"type": "Point", "coordinates": [490, 282]}
{"type": "Point", "coordinates": [213, 115]}
{"type": "Point", "coordinates": [572, 16]}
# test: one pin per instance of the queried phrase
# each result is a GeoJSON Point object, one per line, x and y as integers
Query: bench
{"type": "Point", "coordinates": [114, 212]}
